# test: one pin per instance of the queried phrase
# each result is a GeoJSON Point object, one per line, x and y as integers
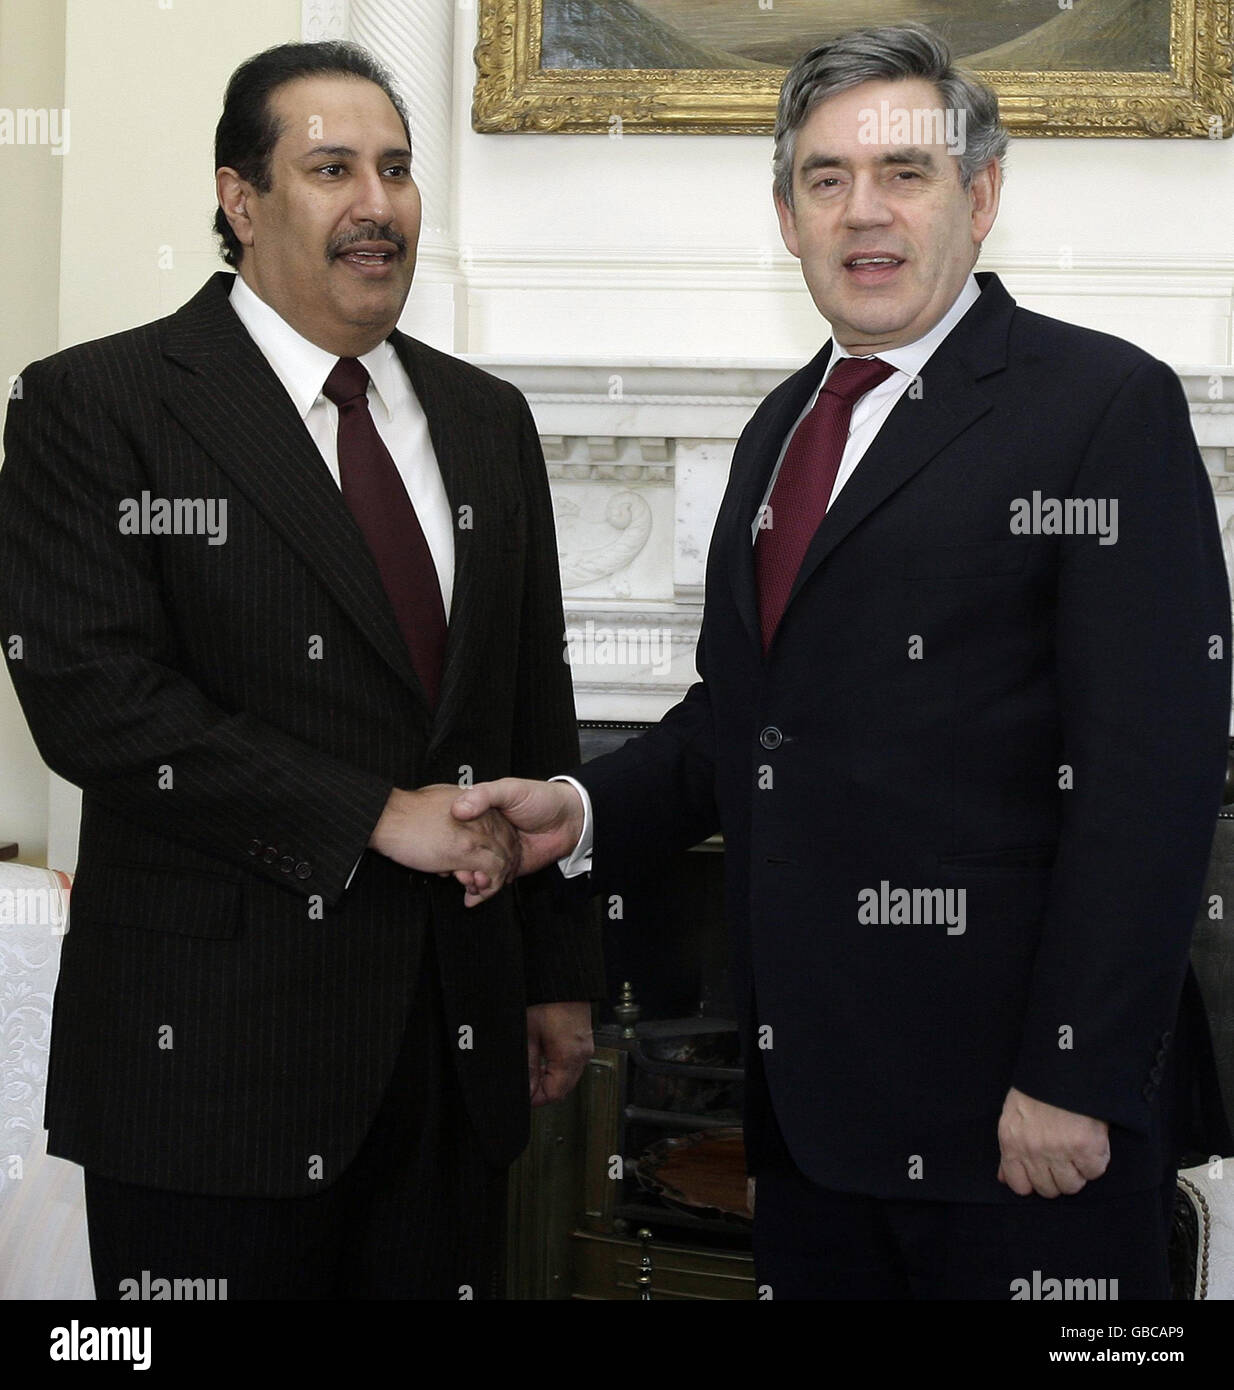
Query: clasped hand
{"type": "Point", "coordinates": [485, 836]}
{"type": "Point", "coordinates": [417, 829]}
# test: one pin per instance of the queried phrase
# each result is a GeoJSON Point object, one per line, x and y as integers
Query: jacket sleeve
{"type": "Point", "coordinates": [1143, 680]}
{"type": "Point", "coordinates": [93, 656]}
{"type": "Point", "coordinates": [561, 935]}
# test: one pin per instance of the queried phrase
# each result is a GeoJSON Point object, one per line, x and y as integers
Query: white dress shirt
{"type": "Point", "coordinates": [303, 367]}
{"type": "Point", "coordinates": [867, 419]}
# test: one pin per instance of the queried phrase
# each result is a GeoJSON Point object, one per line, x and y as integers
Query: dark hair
{"type": "Point", "coordinates": [248, 129]}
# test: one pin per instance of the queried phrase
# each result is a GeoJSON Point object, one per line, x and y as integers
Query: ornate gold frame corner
{"type": "Point", "coordinates": [1195, 99]}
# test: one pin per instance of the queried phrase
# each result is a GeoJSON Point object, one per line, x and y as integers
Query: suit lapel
{"type": "Point", "coordinates": [234, 405]}
{"type": "Point", "coordinates": [757, 458]}
{"type": "Point", "coordinates": [919, 427]}
{"type": "Point", "coordinates": [912, 435]}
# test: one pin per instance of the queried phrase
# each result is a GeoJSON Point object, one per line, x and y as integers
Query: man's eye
{"type": "Point", "coordinates": [330, 169]}
{"type": "Point", "coordinates": [400, 171]}
{"type": "Point", "coordinates": [907, 174]}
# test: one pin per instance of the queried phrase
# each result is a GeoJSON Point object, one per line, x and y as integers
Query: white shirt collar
{"type": "Point", "coordinates": [913, 356]}
{"type": "Point", "coordinates": [302, 366]}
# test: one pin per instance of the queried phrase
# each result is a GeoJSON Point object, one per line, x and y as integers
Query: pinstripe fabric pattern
{"type": "Point", "coordinates": [236, 714]}
{"type": "Point", "coordinates": [416, 1214]}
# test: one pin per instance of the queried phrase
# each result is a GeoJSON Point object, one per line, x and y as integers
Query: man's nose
{"type": "Point", "coordinates": [867, 202]}
{"type": "Point", "coordinates": [372, 201]}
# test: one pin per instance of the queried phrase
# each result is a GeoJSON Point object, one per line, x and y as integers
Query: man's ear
{"type": "Point", "coordinates": [233, 195]}
{"type": "Point", "coordinates": [788, 225]}
{"type": "Point", "coordinates": [983, 194]}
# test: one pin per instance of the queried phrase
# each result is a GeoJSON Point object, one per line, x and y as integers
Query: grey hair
{"type": "Point", "coordinates": [887, 53]}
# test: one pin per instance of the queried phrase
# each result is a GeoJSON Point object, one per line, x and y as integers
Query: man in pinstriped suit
{"type": "Point", "coordinates": [282, 1050]}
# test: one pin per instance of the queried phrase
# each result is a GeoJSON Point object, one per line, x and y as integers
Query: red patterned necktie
{"type": "Point", "coordinates": [375, 496]}
{"type": "Point", "coordinates": [798, 502]}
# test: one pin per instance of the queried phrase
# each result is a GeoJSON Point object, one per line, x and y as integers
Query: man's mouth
{"type": "Point", "coordinates": [872, 267]}
{"type": "Point", "coordinates": [369, 257]}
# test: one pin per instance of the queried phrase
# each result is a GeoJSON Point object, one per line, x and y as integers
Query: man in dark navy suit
{"type": "Point", "coordinates": [961, 716]}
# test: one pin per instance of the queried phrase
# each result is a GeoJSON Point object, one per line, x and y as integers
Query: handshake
{"type": "Point", "coordinates": [485, 836]}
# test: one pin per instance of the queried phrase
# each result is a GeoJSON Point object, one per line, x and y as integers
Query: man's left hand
{"type": "Point", "coordinates": [559, 1046]}
{"type": "Point", "coordinates": [1048, 1150]}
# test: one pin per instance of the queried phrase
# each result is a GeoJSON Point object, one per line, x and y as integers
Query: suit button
{"type": "Point", "coordinates": [771, 737]}
{"type": "Point", "coordinates": [303, 869]}
{"type": "Point", "coordinates": [1155, 1076]}
{"type": "Point", "coordinates": [286, 864]}
{"type": "Point", "coordinates": [254, 846]}
{"type": "Point", "coordinates": [1165, 1039]}
{"type": "Point", "coordinates": [269, 855]}
{"type": "Point", "coordinates": [1148, 1091]}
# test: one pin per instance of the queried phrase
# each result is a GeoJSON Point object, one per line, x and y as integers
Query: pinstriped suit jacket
{"type": "Point", "coordinates": [228, 1010]}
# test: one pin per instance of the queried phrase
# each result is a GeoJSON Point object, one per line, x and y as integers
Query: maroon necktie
{"type": "Point", "coordinates": [375, 496]}
{"type": "Point", "coordinates": [802, 490]}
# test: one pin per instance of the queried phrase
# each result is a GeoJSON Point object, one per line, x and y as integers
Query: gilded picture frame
{"type": "Point", "coordinates": [1190, 95]}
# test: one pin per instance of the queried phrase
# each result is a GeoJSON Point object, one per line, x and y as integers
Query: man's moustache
{"type": "Point", "coordinates": [396, 239]}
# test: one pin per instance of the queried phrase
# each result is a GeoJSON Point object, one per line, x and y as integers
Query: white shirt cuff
{"type": "Point", "coordinates": [352, 875]}
{"type": "Point", "coordinates": [579, 862]}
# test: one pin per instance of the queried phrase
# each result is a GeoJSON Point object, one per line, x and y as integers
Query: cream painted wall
{"type": "Point", "coordinates": [582, 244]}
{"type": "Point", "coordinates": [31, 76]}
{"type": "Point", "coordinates": [145, 80]}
